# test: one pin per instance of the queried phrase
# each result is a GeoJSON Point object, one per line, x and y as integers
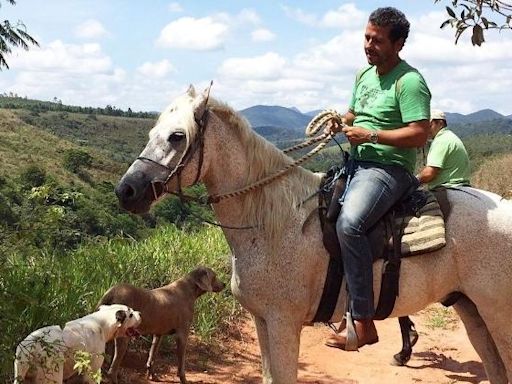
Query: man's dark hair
{"type": "Point", "coordinates": [393, 18]}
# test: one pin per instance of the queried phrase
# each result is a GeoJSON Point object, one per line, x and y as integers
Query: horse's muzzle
{"type": "Point", "coordinates": [136, 193]}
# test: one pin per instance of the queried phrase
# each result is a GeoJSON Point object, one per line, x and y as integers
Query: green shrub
{"type": "Point", "coordinates": [75, 159]}
{"type": "Point", "coordinates": [32, 176]}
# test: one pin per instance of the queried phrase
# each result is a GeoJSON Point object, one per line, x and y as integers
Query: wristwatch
{"type": "Point", "coordinates": [374, 137]}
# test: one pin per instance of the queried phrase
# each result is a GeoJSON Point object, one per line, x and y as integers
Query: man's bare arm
{"type": "Point", "coordinates": [413, 135]}
{"type": "Point", "coordinates": [427, 174]}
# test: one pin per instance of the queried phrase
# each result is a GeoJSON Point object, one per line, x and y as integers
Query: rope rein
{"type": "Point", "coordinates": [317, 123]}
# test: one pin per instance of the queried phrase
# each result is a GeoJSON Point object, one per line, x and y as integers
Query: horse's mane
{"type": "Point", "coordinates": [273, 205]}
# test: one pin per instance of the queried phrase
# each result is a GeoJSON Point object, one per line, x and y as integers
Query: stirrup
{"type": "Point", "coordinates": [352, 340]}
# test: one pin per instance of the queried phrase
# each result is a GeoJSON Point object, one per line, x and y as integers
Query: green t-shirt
{"type": "Point", "coordinates": [447, 152]}
{"type": "Point", "coordinates": [388, 102]}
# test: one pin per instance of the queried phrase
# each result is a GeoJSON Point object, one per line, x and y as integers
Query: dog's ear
{"type": "Point", "coordinates": [203, 280]}
{"type": "Point", "coordinates": [120, 316]}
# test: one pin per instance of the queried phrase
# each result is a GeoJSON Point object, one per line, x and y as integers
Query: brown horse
{"type": "Point", "coordinates": [279, 264]}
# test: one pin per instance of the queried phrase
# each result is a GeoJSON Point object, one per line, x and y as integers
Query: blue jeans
{"type": "Point", "coordinates": [373, 190]}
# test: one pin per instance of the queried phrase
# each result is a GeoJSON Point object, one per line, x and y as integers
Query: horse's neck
{"type": "Point", "coordinates": [229, 170]}
{"type": "Point", "coordinates": [232, 166]}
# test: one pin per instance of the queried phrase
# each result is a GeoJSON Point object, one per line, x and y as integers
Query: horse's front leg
{"type": "Point", "coordinates": [284, 343]}
{"type": "Point", "coordinates": [261, 330]}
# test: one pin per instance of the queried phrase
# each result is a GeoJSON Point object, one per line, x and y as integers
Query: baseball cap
{"type": "Point", "coordinates": [437, 114]}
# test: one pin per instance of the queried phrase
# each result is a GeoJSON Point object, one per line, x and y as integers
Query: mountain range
{"type": "Point", "coordinates": [278, 123]}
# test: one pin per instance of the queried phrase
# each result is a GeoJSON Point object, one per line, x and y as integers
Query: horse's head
{"type": "Point", "coordinates": [175, 143]}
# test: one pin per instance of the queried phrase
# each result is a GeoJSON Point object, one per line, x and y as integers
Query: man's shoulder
{"type": "Point", "coordinates": [447, 138]}
{"type": "Point", "coordinates": [409, 73]}
{"type": "Point", "coordinates": [363, 71]}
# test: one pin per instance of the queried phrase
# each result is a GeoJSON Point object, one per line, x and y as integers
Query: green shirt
{"type": "Point", "coordinates": [388, 102]}
{"type": "Point", "coordinates": [447, 152]}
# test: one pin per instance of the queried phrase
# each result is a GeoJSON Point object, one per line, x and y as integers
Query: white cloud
{"type": "Point", "coordinates": [346, 16]}
{"type": "Point", "coordinates": [262, 34]}
{"type": "Point", "coordinates": [175, 7]}
{"type": "Point", "coordinates": [64, 58]}
{"type": "Point", "coordinates": [299, 15]}
{"type": "Point", "coordinates": [462, 78]}
{"type": "Point", "coordinates": [156, 70]}
{"type": "Point", "coordinates": [267, 66]}
{"type": "Point", "coordinates": [90, 29]}
{"type": "Point", "coordinates": [193, 34]}
{"type": "Point", "coordinates": [248, 16]}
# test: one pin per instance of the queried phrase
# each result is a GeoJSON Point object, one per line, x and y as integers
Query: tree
{"type": "Point", "coordinates": [475, 17]}
{"type": "Point", "coordinates": [14, 35]}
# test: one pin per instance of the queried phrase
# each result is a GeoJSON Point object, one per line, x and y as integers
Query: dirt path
{"type": "Point", "coordinates": [443, 355]}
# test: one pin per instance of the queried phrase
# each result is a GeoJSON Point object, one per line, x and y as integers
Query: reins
{"type": "Point", "coordinates": [313, 127]}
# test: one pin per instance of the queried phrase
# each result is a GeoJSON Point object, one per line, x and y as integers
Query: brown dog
{"type": "Point", "coordinates": [165, 310]}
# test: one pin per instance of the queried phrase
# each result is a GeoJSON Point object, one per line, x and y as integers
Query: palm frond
{"type": "Point", "coordinates": [3, 63]}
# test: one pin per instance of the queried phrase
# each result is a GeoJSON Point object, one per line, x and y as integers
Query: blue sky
{"type": "Point", "coordinates": [142, 54]}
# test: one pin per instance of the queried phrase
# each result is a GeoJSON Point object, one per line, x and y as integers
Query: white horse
{"type": "Point", "coordinates": [279, 264]}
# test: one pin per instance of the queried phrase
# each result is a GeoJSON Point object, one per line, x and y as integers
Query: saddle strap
{"type": "Point", "coordinates": [391, 273]}
{"type": "Point", "coordinates": [331, 291]}
{"type": "Point", "coordinates": [388, 290]}
{"type": "Point", "coordinates": [334, 277]}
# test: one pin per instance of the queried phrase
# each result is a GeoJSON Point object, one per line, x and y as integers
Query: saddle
{"type": "Point", "coordinates": [414, 225]}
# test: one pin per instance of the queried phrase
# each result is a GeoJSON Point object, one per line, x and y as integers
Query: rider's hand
{"type": "Point", "coordinates": [356, 135]}
{"type": "Point", "coordinates": [332, 126]}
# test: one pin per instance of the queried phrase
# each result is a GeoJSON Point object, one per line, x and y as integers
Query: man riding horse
{"type": "Point", "coordinates": [387, 119]}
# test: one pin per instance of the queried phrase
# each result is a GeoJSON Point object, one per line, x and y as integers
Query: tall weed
{"type": "Point", "coordinates": [48, 289]}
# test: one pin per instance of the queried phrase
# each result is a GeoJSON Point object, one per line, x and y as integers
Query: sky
{"type": "Point", "coordinates": [303, 54]}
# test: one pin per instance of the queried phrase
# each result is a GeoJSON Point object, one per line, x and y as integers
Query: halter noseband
{"type": "Point", "coordinates": [198, 143]}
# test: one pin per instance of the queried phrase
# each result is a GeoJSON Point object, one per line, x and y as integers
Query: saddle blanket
{"type": "Point", "coordinates": [424, 232]}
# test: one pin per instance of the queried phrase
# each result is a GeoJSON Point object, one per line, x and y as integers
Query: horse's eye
{"type": "Point", "coordinates": [176, 137]}
{"type": "Point", "coordinates": [131, 314]}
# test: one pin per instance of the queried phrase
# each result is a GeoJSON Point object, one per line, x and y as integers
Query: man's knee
{"type": "Point", "coordinates": [349, 225]}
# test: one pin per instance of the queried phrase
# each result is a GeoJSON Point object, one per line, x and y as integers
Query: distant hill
{"type": "Point", "coordinates": [122, 132]}
{"type": "Point", "coordinates": [280, 124]}
{"type": "Point", "coordinates": [23, 144]}
{"type": "Point", "coordinates": [313, 113]}
{"type": "Point", "coordinates": [496, 126]}
{"type": "Point", "coordinates": [455, 118]}
{"type": "Point", "coordinates": [275, 116]}
{"type": "Point", "coordinates": [475, 117]}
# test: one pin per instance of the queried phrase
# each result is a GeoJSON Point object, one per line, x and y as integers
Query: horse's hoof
{"type": "Point", "coordinates": [399, 360]}
{"type": "Point", "coordinates": [413, 336]}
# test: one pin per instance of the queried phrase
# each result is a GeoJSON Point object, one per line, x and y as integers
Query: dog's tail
{"type": "Point", "coordinates": [107, 299]}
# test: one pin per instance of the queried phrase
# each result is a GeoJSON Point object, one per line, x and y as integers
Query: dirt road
{"type": "Point", "coordinates": [443, 355]}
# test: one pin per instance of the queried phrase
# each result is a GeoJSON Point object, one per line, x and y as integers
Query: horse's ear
{"type": "Point", "coordinates": [206, 92]}
{"type": "Point", "coordinates": [191, 91]}
{"type": "Point", "coordinates": [202, 102]}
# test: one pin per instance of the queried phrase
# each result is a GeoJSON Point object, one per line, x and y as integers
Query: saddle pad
{"type": "Point", "coordinates": [425, 232]}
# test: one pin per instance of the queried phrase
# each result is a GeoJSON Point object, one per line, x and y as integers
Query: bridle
{"type": "Point", "coordinates": [160, 188]}
{"type": "Point", "coordinates": [197, 144]}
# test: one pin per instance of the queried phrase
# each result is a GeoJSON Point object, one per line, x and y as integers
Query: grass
{"type": "Point", "coordinates": [45, 289]}
{"type": "Point", "coordinates": [439, 317]}
{"type": "Point", "coordinates": [495, 175]}
{"type": "Point", "coordinates": [22, 145]}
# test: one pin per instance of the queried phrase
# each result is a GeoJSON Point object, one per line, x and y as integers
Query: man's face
{"type": "Point", "coordinates": [378, 47]}
{"type": "Point", "coordinates": [432, 129]}
{"type": "Point", "coordinates": [435, 126]}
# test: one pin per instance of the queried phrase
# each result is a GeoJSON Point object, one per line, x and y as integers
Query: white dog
{"type": "Point", "coordinates": [48, 354]}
